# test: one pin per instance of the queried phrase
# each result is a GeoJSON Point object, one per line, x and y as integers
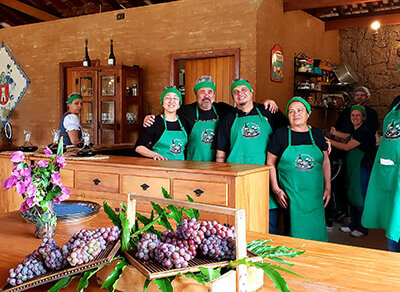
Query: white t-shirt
{"type": "Point", "coordinates": [71, 122]}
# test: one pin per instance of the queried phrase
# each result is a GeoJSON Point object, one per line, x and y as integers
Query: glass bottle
{"type": "Point", "coordinates": [86, 61]}
{"type": "Point", "coordinates": [111, 58]}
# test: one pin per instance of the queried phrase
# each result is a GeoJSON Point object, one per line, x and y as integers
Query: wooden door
{"type": "Point", "coordinates": [222, 71]}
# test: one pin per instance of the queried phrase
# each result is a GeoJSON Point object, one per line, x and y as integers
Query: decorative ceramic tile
{"type": "Point", "coordinates": [13, 83]}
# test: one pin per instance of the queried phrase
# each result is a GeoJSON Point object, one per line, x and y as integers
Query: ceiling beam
{"type": "Point", "coordinates": [289, 5]}
{"type": "Point", "coordinates": [39, 14]}
{"type": "Point", "coordinates": [364, 21]}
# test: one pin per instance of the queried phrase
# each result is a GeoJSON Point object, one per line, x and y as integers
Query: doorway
{"type": "Point", "coordinates": [221, 65]}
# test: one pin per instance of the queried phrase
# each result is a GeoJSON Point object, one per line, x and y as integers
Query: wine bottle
{"type": "Point", "coordinates": [111, 58]}
{"type": "Point", "coordinates": [86, 61]}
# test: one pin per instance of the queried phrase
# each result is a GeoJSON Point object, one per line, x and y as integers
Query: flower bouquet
{"type": "Point", "coordinates": [39, 185]}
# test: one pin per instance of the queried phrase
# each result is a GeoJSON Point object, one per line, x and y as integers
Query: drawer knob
{"type": "Point", "coordinates": [144, 186]}
{"type": "Point", "coordinates": [198, 192]}
{"type": "Point", "coordinates": [96, 181]}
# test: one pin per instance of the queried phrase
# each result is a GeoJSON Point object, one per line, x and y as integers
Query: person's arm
{"type": "Point", "coordinates": [345, 146]}
{"type": "Point", "coordinates": [221, 156]}
{"type": "Point", "coordinates": [148, 120]}
{"type": "Point", "coordinates": [73, 136]}
{"type": "Point", "coordinates": [279, 193]}
{"type": "Point", "coordinates": [326, 170]}
{"type": "Point", "coordinates": [338, 133]}
{"type": "Point", "coordinates": [144, 151]}
{"type": "Point", "coordinates": [271, 105]}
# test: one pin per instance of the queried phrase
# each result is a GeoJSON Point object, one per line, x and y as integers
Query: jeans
{"type": "Point", "coordinates": [393, 245]}
{"type": "Point", "coordinates": [357, 211]}
{"type": "Point", "coordinates": [273, 221]}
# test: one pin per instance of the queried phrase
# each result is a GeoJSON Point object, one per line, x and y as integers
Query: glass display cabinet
{"type": "Point", "coordinates": [112, 102]}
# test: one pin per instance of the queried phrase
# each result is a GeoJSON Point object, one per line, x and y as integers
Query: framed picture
{"type": "Point", "coordinates": [13, 83]}
{"type": "Point", "coordinates": [276, 64]}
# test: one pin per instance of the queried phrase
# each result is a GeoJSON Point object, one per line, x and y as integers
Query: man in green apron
{"type": "Point", "coordinates": [201, 119]}
{"type": "Point", "coordinates": [382, 202]}
{"type": "Point", "coordinates": [243, 135]}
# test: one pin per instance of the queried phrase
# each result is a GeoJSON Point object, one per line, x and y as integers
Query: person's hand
{"type": "Point", "coordinates": [149, 120]}
{"type": "Point", "coordinates": [281, 197]}
{"type": "Point", "coordinates": [159, 157]}
{"type": "Point", "coordinates": [269, 103]}
{"type": "Point", "coordinates": [328, 141]}
{"type": "Point", "coordinates": [326, 197]}
{"type": "Point", "coordinates": [333, 131]}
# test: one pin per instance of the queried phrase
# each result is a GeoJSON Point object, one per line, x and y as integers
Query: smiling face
{"type": "Point", "coordinates": [297, 114]}
{"type": "Point", "coordinates": [360, 98]}
{"type": "Point", "coordinates": [242, 95]}
{"type": "Point", "coordinates": [75, 106]}
{"type": "Point", "coordinates": [356, 118]}
{"type": "Point", "coordinates": [171, 102]}
{"type": "Point", "coordinates": [205, 98]}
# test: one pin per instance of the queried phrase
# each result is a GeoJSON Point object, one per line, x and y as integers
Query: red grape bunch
{"type": "Point", "coordinates": [31, 267]}
{"type": "Point", "coordinates": [51, 254]}
{"type": "Point", "coordinates": [171, 256]}
{"type": "Point", "coordinates": [147, 245]}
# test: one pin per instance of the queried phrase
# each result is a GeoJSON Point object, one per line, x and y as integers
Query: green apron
{"type": "Point", "coordinates": [171, 144]}
{"type": "Point", "coordinates": [352, 177]}
{"type": "Point", "coordinates": [249, 140]}
{"type": "Point", "coordinates": [201, 138]}
{"type": "Point", "coordinates": [302, 179]}
{"type": "Point", "coordinates": [382, 202]}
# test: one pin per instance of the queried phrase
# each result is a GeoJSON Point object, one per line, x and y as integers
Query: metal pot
{"type": "Point", "coordinates": [346, 74]}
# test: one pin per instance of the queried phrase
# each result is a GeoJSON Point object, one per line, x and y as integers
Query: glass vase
{"type": "Point", "coordinates": [45, 223]}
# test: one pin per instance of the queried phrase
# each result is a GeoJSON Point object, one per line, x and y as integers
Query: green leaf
{"type": "Point", "coordinates": [198, 277]}
{"type": "Point", "coordinates": [111, 281]}
{"type": "Point", "coordinates": [125, 234]}
{"type": "Point", "coordinates": [163, 219]}
{"type": "Point", "coordinates": [60, 147]}
{"type": "Point", "coordinates": [64, 282]}
{"type": "Point", "coordinates": [210, 273]}
{"type": "Point", "coordinates": [259, 265]}
{"type": "Point", "coordinates": [279, 282]}
{"type": "Point", "coordinates": [165, 193]}
{"type": "Point", "coordinates": [146, 284]}
{"type": "Point", "coordinates": [145, 228]}
{"type": "Point", "coordinates": [146, 221]}
{"type": "Point", "coordinates": [192, 213]}
{"type": "Point", "coordinates": [175, 213]}
{"type": "Point", "coordinates": [84, 281]}
{"type": "Point", "coordinates": [112, 215]}
{"type": "Point", "coordinates": [123, 207]}
{"type": "Point", "coordinates": [164, 284]}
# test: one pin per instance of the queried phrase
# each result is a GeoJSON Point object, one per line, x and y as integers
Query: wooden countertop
{"type": "Point", "coordinates": [331, 267]}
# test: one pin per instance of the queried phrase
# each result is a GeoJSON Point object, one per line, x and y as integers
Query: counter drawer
{"type": "Point", "coordinates": [67, 177]}
{"type": "Point", "coordinates": [114, 204]}
{"type": "Point", "coordinates": [144, 185]}
{"type": "Point", "coordinates": [201, 191]}
{"type": "Point", "coordinates": [97, 181]}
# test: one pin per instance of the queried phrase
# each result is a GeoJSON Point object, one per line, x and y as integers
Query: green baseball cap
{"type": "Point", "coordinates": [73, 96]}
{"type": "Point", "coordinates": [299, 99]}
{"type": "Point", "coordinates": [360, 108]}
{"type": "Point", "coordinates": [168, 90]}
{"type": "Point", "coordinates": [238, 82]}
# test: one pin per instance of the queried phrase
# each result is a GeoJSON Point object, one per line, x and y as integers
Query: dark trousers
{"type": "Point", "coordinates": [273, 221]}
{"type": "Point", "coordinates": [357, 211]}
{"type": "Point", "coordinates": [393, 245]}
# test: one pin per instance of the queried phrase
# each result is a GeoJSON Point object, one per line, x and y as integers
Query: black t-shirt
{"type": "Point", "coordinates": [367, 145]}
{"type": "Point", "coordinates": [150, 135]}
{"type": "Point", "coordinates": [275, 120]}
{"type": "Point", "coordinates": [280, 140]}
{"type": "Point", "coordinates": [344, 124]}
{"type": "Point", "coordinates": [187, 113]}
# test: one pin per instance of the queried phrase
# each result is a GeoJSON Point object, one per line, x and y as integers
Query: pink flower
{"type": "Point", "coordinates": [42, 163]}
{"type": "Point", "coordinates": [20, 188]}
{"type": "Point", "coordinates": [26, 172]}
{"type": "Point", "coordinates": [64, 195]}
{"type": "Point", "coordinates": [61, 161]}
{"type": "Point", "coordinates": [24, 207]}
{"type": "Point", "coordinates": [17, 156]}
{"type": "Point", "coordinates": [29, 202]}
{"type": "Point", "coordinates": [31, 190]}
{"type": "Point", "coordinates": [10, 182]}
{"type": "Point", "coordinates": [48, 152]}
{"type": "Point", "coordinates": [56, 179]}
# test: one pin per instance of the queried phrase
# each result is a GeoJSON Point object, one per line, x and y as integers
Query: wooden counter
{"type": "Point", "coordinates": [331, 267]}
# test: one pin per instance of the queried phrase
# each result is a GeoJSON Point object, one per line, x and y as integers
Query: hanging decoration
{"type": "Point", "coordinates": [277, 64]}
{"type": "Point", "coordinates": [13, 83]}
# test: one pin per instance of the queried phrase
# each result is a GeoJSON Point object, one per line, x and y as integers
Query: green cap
{"type": "Point", "coordinates": [360, 108]}
{"type": "Point", "coordinates": [204, 84]}
{"type": "Point", "coordinates": [240, 82]}
{"type": "Point", "coordinates": [168, 90]}
{"type": "Point", "coordinates": [73, 96]}
{"type": "Point", "coordinates": [299, 99]}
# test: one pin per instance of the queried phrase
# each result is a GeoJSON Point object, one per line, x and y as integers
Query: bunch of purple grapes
{"type": "Point", "coordinates": [171, 256]}
{"type": "Point", "coordinates": [31, 267]}
{"type": "Point", "coordinates": [85, 252]}
{"type": "Point", "coordinates": [219, 248]}
{"type": "Point", "coordinates": [51, 254]}
{"type": "Point", "coordinates": [174, 238]}
{"type": "Point", "coordinates": [147, 245]}
{"type": "Point", "coordinates": [214, 228]}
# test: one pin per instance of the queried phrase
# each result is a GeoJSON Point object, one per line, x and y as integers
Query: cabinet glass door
{"type": "Point", "coordinates": [107, 112]}
{"type": "Point", "coordinates": [87, 112]}
{"type": "Point", "coordinates": [132, 86]}
{"type": "Point", "coordinates": [108, 85]}
{"type": "Point", "coordinates": [86, 86]}
{"type": "Point", "coordinates": [107, 136]}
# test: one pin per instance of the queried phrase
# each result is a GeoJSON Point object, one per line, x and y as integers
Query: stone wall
{"type": "Point", "coordinates": [375, 60]}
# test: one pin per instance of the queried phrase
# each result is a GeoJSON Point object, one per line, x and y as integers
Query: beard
{"type": "Point", "coordinates": [206, 103]}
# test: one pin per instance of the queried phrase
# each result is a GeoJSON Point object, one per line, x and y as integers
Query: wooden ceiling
{"type": "Point", "coordinates": [341, 14]}
{"type": "Point", "coordinates": [18, 12]}
{"type": "Point", "coordinates": [337, 14]}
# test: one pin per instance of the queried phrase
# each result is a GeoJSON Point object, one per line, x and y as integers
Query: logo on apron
{"type": "Point", "coordinates": [250, 130]}
{"type": "Point", "coordinates": [393, 131]}
{"type": "Point", "coordinates": [304, 162]}
{"type": "Point", "coordinates": [176, 146]}
{"type": "Point", "coordinates": [207, 136]}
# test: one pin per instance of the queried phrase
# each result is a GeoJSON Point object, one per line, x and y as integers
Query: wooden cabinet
{"type": "Point", "coordinates": [9, 200]}
{"type": "Point", "coordinates": [112, 102]}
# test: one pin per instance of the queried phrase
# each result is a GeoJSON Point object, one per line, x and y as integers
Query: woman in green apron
{"type": "Point", "coordinates": [360, 148]}
{"type": "Point", "coordinates": [167, 135]}
{"type": "Point", "coordinates": [382, 202]}
{"type": "Point", "coordinates": [299, 158]}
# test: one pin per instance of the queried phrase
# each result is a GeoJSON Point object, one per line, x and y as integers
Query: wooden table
{"type": "Point", "coordinates": [331, 267]}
